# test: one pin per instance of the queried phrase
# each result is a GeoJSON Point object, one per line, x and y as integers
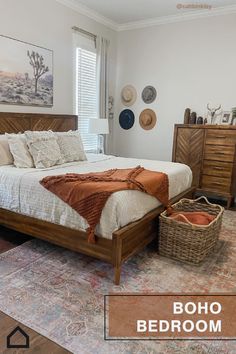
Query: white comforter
{"type": "Point", "coordinates": [21, 192]}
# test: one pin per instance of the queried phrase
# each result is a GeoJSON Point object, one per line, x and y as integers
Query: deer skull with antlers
{"type": "Point", "coordinates": [213, 111]}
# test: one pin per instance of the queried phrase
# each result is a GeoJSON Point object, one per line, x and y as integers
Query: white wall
{"type": "Point", "coordinates": [190, 64]}
{"type": "Point", "coordinates": [48, 24]}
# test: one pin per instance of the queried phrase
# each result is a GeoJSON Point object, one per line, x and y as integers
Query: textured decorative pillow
{"type": "Point", "coordinates": [20, 151]}
{"type": "Point", "coordinates": [71, 146]}
{"type": "Point", "coordinates": [6, 157]}
{"type": "Point", "coordinates": [44, 148]}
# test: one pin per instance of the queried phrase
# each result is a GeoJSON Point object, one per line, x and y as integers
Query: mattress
{"type": "Point", "coordinates": [21, 192]}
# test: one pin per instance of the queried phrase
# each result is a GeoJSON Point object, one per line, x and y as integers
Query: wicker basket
{"type": "Point", "coordinates": [185, 241]}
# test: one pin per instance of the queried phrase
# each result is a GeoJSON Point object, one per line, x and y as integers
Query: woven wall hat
{"type": "Point", "coordinates": [147, 119]}
{"type": "Point", "coordinates": [126, 119]}
{"type": "Point", "coordinates": [149, 94]}
{"type": "Point", "coordinates": [128, 95]}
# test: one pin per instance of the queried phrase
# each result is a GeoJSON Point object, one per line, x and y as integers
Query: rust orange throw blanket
{"type": "Point", "coordinates": [88, 193]}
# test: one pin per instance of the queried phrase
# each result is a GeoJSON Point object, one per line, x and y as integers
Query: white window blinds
{"type": "Point", "coordinates": [86, 95]}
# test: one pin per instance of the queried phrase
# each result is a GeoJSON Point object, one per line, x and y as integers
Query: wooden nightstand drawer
{"type": "Point", "coordinates": [217, 168]}
{"type": "Point", "coordinates": [222, 137]}
{"type": "Point", "coordinates": [217, 184]}
{"type": "Point", "coordinates": [219, 153]}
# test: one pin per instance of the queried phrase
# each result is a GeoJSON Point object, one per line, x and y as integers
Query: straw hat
{"type": "Point", "coordinates": [147, 119]}
{"type": "Point", "coordinates": [128, 95]}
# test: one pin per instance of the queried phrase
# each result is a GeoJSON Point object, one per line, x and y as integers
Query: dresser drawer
{"type": "Point", "coordinates": [219, 153]}
{"type": "Point", "coordinates": [217, 168]}
{"type": "Point", "coordinates": [216, 184]}
{"type": "Point", "coordinates": [220, 137]}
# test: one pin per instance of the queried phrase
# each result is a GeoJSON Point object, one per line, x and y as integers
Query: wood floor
{"type": "Point", "coordinates": [10, 239]}
{"type": "Point", "coordinates": [37, 343]}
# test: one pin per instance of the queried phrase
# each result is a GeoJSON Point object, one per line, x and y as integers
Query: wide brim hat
{"type": "Point", "coordinates": [149, 94]}
{"type": "Point", "coordinates": [128, 95]}
{"type": "Point", "coordinates": [147, 119]}
{"type": "Point", "coordinates": [126, 119]}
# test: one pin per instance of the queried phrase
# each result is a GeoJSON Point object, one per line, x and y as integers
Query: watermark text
{"type": "Point", "coordinates": [194, 6]}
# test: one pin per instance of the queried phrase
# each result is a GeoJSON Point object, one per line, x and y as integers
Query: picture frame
{"type": "Point", "coordinates": [226, 117]}
{"type": "Point", "coordinates": [233, 116]}
{"type": "Point", "coordinates": [26, 73]}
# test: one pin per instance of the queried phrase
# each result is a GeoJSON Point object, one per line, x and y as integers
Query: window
{"type": "Point", "coordinates": [86, 95]}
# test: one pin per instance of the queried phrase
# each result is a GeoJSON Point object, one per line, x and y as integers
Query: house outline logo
{"type": "Point", "coordinates": [11, 335]}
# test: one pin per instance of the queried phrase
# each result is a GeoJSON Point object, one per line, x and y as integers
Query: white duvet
{"type": "Point", "coordinates": [21, 192]}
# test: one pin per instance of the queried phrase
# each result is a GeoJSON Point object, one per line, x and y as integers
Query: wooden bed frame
{"type": "Point", "coordinates": [125, 242]}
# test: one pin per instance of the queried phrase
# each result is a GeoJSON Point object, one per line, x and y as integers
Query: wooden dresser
{"type": "Point", "coordinates": [210, 152]}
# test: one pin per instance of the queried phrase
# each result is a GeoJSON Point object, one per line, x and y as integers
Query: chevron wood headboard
{"type": "Point", "coordinates": [20, 122]}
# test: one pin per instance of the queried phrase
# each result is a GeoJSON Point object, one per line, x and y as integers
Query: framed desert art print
{"type": "Point", "coordinates": [26, 73]}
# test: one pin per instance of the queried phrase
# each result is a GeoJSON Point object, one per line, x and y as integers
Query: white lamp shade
{"type": "Point", "coordinates": [98, 126]}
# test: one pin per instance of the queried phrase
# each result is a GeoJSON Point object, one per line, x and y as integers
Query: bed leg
{"type": "Point", "coordinates": [230, 201]}
{"type": "Point", "coordinates": [117, 275]}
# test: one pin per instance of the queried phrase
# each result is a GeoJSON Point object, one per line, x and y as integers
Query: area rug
{"type": "Point", "coordinates": [59, 293]}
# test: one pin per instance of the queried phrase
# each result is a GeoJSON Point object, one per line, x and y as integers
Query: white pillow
{"type": "Point", "coordinates": [20, 151]}
{"type": "Point", "coordinates": [44, 148]}
{"type": "Point", "coordinates": [6, 157]}
{"type": "Point", "coordinates": [71, 146]}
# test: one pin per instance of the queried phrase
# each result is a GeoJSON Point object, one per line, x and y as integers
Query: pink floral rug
{"type": "Point", "coordinates": [59, 293]}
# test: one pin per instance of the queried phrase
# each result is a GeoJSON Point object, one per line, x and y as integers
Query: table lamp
{"type": "Point", "coordinates": [99, 126]}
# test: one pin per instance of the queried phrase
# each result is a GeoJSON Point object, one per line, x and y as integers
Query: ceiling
{"type": "Point", "coordinates": [123, 13]}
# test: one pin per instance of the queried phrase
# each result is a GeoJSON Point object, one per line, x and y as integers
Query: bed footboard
{"type": "Point", "coordinates": [125, 242]}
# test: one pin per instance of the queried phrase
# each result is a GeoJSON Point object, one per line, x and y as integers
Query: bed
{"type": "Point", "coordinates": [129, 220]}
